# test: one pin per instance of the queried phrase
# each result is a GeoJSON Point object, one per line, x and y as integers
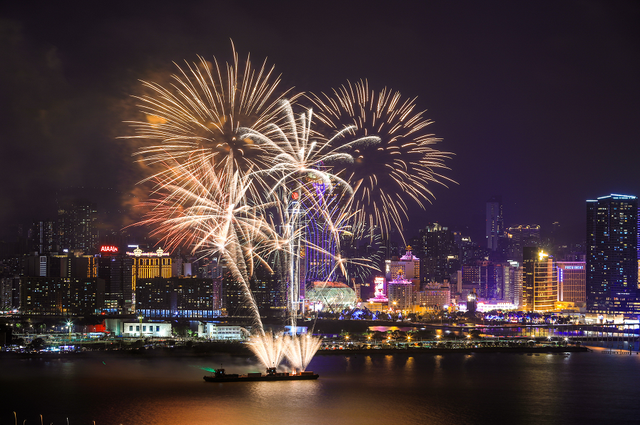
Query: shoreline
{"type": "Point", "coordinates": [243, 351]}
{"type": "Point", "coordinates": [518, 350]}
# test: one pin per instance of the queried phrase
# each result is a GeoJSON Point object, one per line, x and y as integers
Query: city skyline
{"type": "Point", "coordinates": [529, 99]}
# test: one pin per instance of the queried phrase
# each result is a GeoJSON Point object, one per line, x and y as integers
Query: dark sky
{"type": "Point", "coordinates": [538, 100]}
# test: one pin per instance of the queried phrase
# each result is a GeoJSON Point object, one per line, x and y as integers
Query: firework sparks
{"type": "Point", "coordinates": [204, 108]}
{"type": "Point", "coordinates": [232, 154]}
{"type": "Point", "coordinates": [196, 205]}
{"type": "Point", "coordinates": [269, 348]}
{"type": "Point", "coordinates": [401, 164]}
{"type": "Point", "coordinates": [299, 350]}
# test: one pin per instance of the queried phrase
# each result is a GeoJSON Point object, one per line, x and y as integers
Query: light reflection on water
{"type": "Point", "coordinates": [374, 389]}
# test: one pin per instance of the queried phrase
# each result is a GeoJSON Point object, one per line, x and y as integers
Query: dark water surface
{"type": "Point", "coordinates": [578, 388]}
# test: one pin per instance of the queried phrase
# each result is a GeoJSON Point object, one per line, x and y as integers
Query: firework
{"type": "Point", "coordinates": [203, 109]}
{"type": "Point", "coordinates": [299, 350]}
{"type": "Point", "coordinates": [240, 175]}
{"type": "Point", "coordinates": [269, 348]}
{"type": "Point", "coordinates": [301, 166]}
{"type": "Point", "coordinates": [195, 204]}
{"type": "Point", "coordinates": [300, 156]}
{"type": "Point", "coordinates": [402, 164]}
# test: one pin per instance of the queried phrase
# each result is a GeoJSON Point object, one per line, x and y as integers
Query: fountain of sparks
{"type": "Point", "coordinates": [300, 349]}
{"type": "Point", "coordinates": [269, 348]}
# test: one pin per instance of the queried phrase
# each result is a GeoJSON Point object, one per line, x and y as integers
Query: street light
{"type": "Point", "coordinates": [69, 323]}
{"type": "Point", "coordinates": [140, 317]}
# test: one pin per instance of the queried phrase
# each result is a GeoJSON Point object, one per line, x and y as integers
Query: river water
{"type": "Point", "coordinates": [577, 388]}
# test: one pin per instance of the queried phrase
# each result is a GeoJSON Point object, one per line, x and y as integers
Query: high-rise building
{"type": "Point", "coordinates": [545, 284]}
{"type": "Point", "coordinates": [43, 237]}
{"type": "Point", "coordinates": [9, 293]}
{"type": "Point", "coordinates": [519, 237]}
{"type": "Point", "coordinates": [612, 255]}
{"type": "Point", "coordinates": [494, 229]}
{"type": "Point", "coordinates": [539, 281]}
{"type": "Point", "coordinates": [440, 258]}
{"type": "Point", "coordinates": [514, 295]}
{"type": "Point", "coordinates": [77, 230]}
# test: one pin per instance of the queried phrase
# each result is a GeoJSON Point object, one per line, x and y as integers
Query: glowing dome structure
{"type": "Point", "coordinates": [331, 296]}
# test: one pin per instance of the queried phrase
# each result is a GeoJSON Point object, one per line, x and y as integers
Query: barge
{"type": "Point", "coordinates": [271, 375]}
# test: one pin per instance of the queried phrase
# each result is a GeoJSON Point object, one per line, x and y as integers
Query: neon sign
{"type": "Point", "coordinates": [379, 287]}
{"type": "Point", "coordinates": [109, 248]}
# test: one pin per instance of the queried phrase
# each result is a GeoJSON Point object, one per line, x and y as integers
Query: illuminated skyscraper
{"type": "Point", "coordinates": [545, 283]}
{"type": "Point", "coordinates": [441, 254]}
{"type": "Point", "coordinates": [612, 255]}
{"type": "Point", "coordinates": [494, 223]}
{"type": "Point", "coordinates": [539, 281]}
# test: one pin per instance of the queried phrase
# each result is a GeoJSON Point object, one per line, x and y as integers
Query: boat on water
{"type": "Point", "coordinates": [271, 375]}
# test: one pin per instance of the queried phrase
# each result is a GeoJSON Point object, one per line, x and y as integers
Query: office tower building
{"type": "Point", "coordinates": [529, 255]}
{"type": "Point", "coordinates": [545, 284]}
{"type": "Point", "coordinates": [515, 277]}
{"type": "Point", "coordinates": [612, 255]}
{"type": "Point", "coordinates": [440, 258]}
{"type": "Point", "coordinates": [494, 229]}
{"type": "Point", "coordinates": [43, 237]}
{"type": "Point", "coordinates": [77, 230]}
{"type": "Point", "coordinates": [519, 237]}
{"type": "Point", "coordinates": [572, 281]}
{"type": "Point", "coordinates": [539, 281]}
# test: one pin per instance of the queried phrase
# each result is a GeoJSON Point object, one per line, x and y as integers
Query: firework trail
{"type": "Point", "coordinates": [401, 164]}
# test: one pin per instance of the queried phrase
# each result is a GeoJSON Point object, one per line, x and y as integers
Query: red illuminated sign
{"type": "Point", "coordinates": [108, 248]}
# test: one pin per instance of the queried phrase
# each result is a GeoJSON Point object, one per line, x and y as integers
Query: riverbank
{"type": "Point", "coordinates": [416, 350]}
{"type": "Point", "coordinates": [241, 350]}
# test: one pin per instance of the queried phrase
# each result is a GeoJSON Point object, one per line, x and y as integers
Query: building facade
{"type": "Point", "coordinates": [406, 267]}
{"type": "Point", "coordinates": [612, 255]}
{"type": "Point", "coordinates": [400, 294]}
{"type": "Point", "coordinates": [572, 280]}
{"type": "Point", "coordinates": [185, 297]}
{"type": "Point", "coordinates": [434, 297]}
{"type": "Point", "coordinates": [545, 284]}
{"type": "Point", "coordinates": [494, 224]}
{"type": "Point", "coordinates": [61, 295]}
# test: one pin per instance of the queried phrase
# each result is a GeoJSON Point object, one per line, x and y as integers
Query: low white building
{"type": "Point", "coordinates": [216, 331]}
{"type": "Point", "coordinates": [146, 330]}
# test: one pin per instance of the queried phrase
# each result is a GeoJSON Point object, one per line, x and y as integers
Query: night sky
{"type": "Point", "coordinates": [539, 101]}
